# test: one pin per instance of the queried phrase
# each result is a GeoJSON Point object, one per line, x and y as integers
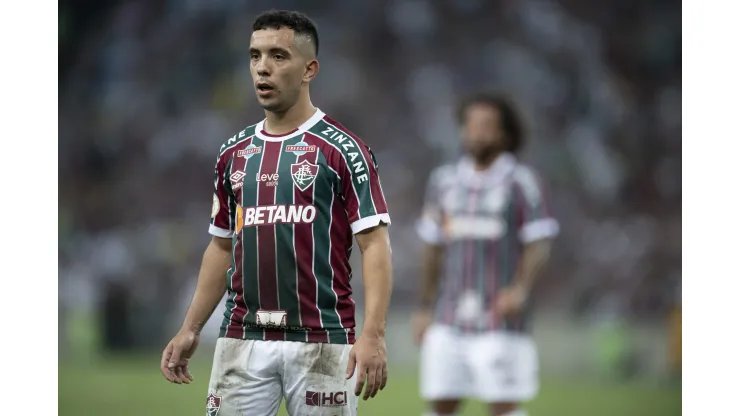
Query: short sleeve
{"type": "Point", "coordinates": [362, 194]}
{"type": "Point", "coordinates": [534, 210]}
{"type": "Point", "coordinates": [224, 206]}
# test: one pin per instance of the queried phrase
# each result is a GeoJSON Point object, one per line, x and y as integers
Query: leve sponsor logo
{"type": "Point", "coordinates": [269, 179]}
{"type": "Point", "coordinates": [272, 214]}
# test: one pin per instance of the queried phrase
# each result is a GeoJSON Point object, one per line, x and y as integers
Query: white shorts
{"type": "Point", "coordinates": [494, 367]}
{"type": "Point", "coordinates": [251, 378]}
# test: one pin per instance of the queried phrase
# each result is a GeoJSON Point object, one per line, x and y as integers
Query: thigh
{"type": "Point", "coordinates": [314, 380]}
{"type": "Point", "coordinates": [505, 368]}
{"type": "Point", "coordinates": [444, 374]}
{"type": "Point", "coordinates": [244, 379]}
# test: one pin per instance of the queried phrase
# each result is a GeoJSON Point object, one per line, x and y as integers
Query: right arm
{"type": "Point", "coordinates": [211, 280]}
{"type": "Point", "coordinates": [211, 284]}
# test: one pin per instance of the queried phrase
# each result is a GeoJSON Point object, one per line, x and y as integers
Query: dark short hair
{"type": "Point", "coordinates": [511, 122]}
{"type": "Point", "coordinates": [298, 22]}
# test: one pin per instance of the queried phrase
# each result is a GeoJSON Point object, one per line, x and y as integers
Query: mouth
{"type": "Point", "coordinates": [264, 88]}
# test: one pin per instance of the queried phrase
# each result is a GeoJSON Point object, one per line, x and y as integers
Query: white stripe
{"type": "Point", "coordinates": [336, 296]}
{"type": "Point", "coordinates": [369, 222]}
{"type": "Point", "coordinates": [313, 253]}
{"type": "Point", "coordinates": [219, 232]}
{"type": "Point", "coordinates": [539, 230]}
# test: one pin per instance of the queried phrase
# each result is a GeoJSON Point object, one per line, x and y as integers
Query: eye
{"type": "Point", "coordinates": [279, 57]}
{"type": "Point", "coordinates": [254, 56]}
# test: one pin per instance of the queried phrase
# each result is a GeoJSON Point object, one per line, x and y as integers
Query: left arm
{"type": "Point", "coordinates": [375, 247]}
{"type": "Point", "coordinates": [537, 229]}
{"type": "Point", "coordinates": [367, 212]}
{"type": "Point", "coordinates": [534, 258]}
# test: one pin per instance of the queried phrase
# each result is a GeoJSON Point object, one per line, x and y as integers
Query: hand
{"type": "Point", "coordinates": [176, 355]}
{"type": "Point", "coordinates": [510, 301]}
{"type": "Point", "coordinates": [368, 354]}
{"type": "Point", "coordinates": [420, 321]}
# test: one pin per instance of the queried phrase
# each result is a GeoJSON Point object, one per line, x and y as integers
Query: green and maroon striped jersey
{"type": "Point", "coordinates": [483, 220]}
{"type": "Point", "coordinates": [291, 205]}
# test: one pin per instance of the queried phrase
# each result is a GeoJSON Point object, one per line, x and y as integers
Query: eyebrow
{"type": "Point", "coordinates": [271, 50]}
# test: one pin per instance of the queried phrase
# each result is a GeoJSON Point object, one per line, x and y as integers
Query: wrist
{"type": "Point", "coordinates": [373, 331]}
{"type": "Point", "coordinates": [189, 328]}
{"type": "Point", "coordinates": [522, 290]}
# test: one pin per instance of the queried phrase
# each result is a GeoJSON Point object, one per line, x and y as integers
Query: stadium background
{"type": "Point", "coordinates": [150, 89]}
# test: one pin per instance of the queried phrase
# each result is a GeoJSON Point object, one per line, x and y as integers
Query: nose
{"type": "Point", "coordinates": [262, 67]}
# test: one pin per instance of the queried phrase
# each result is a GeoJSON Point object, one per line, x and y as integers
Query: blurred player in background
{"type": "Point", "coordinates": [488, 228]}
{"type": "Point", "coordinates": [290, 192]}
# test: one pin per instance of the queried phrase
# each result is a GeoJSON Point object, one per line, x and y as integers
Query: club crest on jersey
{"type": "Point", "coordinates": [249, 151]}
{"type": "Point", "coordinates": [304, 174]}
{"type": "Point", "coordinates": [213, 404]}
{"type": "Point", "coordinates": [300, 148]}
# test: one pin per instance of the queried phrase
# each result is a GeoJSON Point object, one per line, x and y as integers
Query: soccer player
{"type": "Point", "coordinates": [289, 194]}
{"type": "Point", "coordinates": [487, 227]}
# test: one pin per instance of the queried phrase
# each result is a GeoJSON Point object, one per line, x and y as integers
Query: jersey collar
{"type": "Point", "coordinates": [315, 118]}
{"type": "Point", "coordinates": [501, 167]}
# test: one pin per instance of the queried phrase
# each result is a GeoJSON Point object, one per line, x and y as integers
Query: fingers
{"type": "Point", "coordinates": [180, 371]}
{"type": "Point", "coordinates": [378, 382]}
{"type": "Point", "coordinates": [164, 364]}
{"type": "Point", "coordinates": [361, 377]}
{"type": "Point", "coordinates": [187, 372]}
{"type": "Point", "coordinates": [384, 376]}
{"type": "Point", "coordinates": [371, 387]}
{"type": "Point", "coordinates": [175, 357]}
{"type": "Point", "coordinates": [351, 364]}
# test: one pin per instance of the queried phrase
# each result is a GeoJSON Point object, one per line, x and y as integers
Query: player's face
{"type": "Point", "coordinates": [481, 131]}
{"type": "Point", "coordinates": [277, 68]}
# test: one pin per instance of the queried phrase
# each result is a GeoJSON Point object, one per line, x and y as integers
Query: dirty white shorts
{"type": "Point", "coordinates": [251, 378]}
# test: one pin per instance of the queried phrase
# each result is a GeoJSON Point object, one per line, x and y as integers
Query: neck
{"type": "Point", "coordinates": [284, 122]}
{"type": "Point", "coordinates": [483, 162]}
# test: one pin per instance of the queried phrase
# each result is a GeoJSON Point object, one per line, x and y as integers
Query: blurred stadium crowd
{"type": "Point", "coordinates": [155, 87]}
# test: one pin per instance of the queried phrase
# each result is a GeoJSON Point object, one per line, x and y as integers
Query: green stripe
{"type": "Point", "coordinates": [250, 277]}
{"type": "Point", "coordinates": [327, 299]}
{"type": "Point", "coordinates": [504, 272]}
{"type": "Point", "coordinates": [285, 254]}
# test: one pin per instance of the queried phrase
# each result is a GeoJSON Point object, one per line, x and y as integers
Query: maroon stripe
{"type": "Point", "coordinates": [341, 243]}
{"type": "Point", "coordinates": [304, 242]}
{"type": "Point", "coordinates": [235, 328]}
{"type": "Point", "coordinates": [239, 311]}
{"type": "Point", "coordinates": [266, 238]}
{"type": "Point", "coordinates": [470, 249]}
{"type": "Point", "coordinates": [491, 275]}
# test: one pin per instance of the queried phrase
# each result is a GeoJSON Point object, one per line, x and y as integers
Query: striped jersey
{"type": "Point", "coordinates": [483, 220]}
{"type": "Point", "coordinates": [291, 205]}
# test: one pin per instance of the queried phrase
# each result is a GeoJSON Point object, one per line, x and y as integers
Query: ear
{"type": "Point", "coordinates": [312, 69]}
